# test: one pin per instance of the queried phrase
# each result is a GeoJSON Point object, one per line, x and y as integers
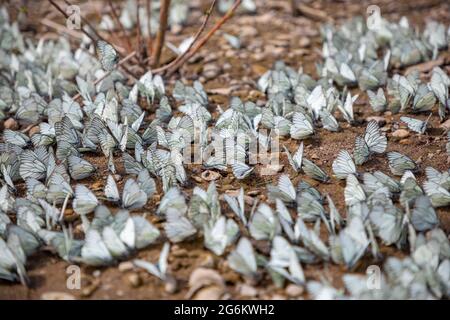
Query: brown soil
{"type": "Point", "coordinates": [272, 34]}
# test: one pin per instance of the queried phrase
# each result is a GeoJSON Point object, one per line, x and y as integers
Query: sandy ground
{"type": "Point", "coordinates": [270, 35]}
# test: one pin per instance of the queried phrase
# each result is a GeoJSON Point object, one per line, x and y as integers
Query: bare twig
{"type": "Point", "coordinates": [294, 8]}
{"type": "Point", "coordinates": [120, 25]}
{"type": "Point", "coordinates": [425, 66]}
{"type": "Point", "coordinates": [163, 17]}
{"type": "Point", "coordinates": [121, 62]}
{"type": "Point", "coordinates": [148, 9]}
{"type": "Point", "coordinates": [196, 36]}
{"type": "Point", "coordinates": [313, 13]}
{"type": "Point", "coordinates": [61, 28]}
{"type": "Point", "coordinates": [87, 23]}
{"type": "Point", "coordinates": [138, 34]}
{"type": "Point", "coordinates": [67, 17]}
{"type": "Point", "coordinates": [176, 64]}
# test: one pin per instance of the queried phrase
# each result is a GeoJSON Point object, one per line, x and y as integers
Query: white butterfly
{"type": "Point", "coordinates": [94, 251]}
{"type": "Point", "coordinates": [372, 142]}
{"type": "Point", "coordinates": [416, 125]}
{"type": "Point", "coordinates": [343, 165]}
{"type": "Point", "coordinates": [241, 170]}
{"type": "Point", "coordinates": [32, 164]}
{"type": "Point", "coordinates": [79, 168]}
{"type": "Point", "coordinates": [284, 261]}
{"type": "Point", "coordinates": [264, 225]}
{"type": "Point", "coordinates": [399, 163]}
{"type": "Point", "coordinates": [347, 107]}
{"type": "Point", "coordinates": [353, 193]}
{"type": "Point", "coordinates": [312, 170]}
{"type": "Point", "coordinates": [423, 216]}
{"type": "Point", "coordinates": [11, 265]}
{"type": "Point", "coordinates": [351, 243]}
{"type": "Point", "coordinates": [16, 137]}
{"type": "Point", "coordinates": [219, 234]}
{"type": "Point", "coordinates": [285, 190]}
{"type": "Point", "coordinates": [133, 197]}
{"type": "Point", "coordinates": [85, 201]}
{"type": "Point", "coordinates": [108, 55]}
{"type": "Point", "coordinates": [301, 127]}
{"type": "Point", "coordinates": [159, 269]}
{"type": "Point", "coordinates": [237, 204]}
{"type": "Point", "coordinates": [377, 101]}
{"type": "Point", "coordinates": [178, 227]}
{"type": "Point", "coordinates": [242, 259]}
{"type": "Point", "coordinates": [440, 197]}
{"type": "Point", "coordinates": [296, 160]}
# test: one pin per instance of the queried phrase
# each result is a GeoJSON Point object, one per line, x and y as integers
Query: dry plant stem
{"type": "Point", "coordinates": [120, 25]}
{"type": "Point", "coordinates": [62, 29]}
{"type": "Point", "coordinates": [121, 62]}
{"type": "Point", "coordinates": [148, 9]}
{"type": "Point", "coordinates": [201, 42]}
{"type": "Point", "coordinates": [87, 23]}
{"type": "Point", "coordinates": [138, 34]}
{"type": "Point", "coordinates": [163, 17]}
{"type": "Point", "coordinates": [196, 36]}
{"type": "Point", "coordinates": [294, 9]}
{"type": "Point", "coordinates": [314, 14]}
{"type": "Point", "coordinates": [67, 17]}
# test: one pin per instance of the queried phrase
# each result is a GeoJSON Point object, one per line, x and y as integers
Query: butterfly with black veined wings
{"type": "Point", "coordinates": [373, 141]}
{"type": "Point", "coordinates": [343, 165]}
{"type": "Point", "coordinates": [416, 125]}
{"type": "Point", "coordinates": [399, 163]}
{"type": "Point", "coordinates": [107, 54]}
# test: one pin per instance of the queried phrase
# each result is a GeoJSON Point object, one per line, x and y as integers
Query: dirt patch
{"type": "Point", "coordinates": [273, 34]}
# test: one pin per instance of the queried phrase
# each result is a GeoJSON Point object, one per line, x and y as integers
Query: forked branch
{"type": "Point", "coordinates": [197, 45]}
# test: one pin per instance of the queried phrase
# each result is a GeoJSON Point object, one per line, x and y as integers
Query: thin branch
{"type": "Point", "coordinates": [172, 67]}
{"type": "Point", "coordinates": [121, 62]}
{"type": "Point", "coordinates": [163, 17]}
{"type": "Point", "coordinates": [196, 36]}
{"type": "Point", "coordinates": [148, 9]}
{"type": "Point", "coordinates": [61, 28]}
{"type": "Point", "coordinates": [67, 17]}
{"type": "Point", "coordinates": [294, 8]}
{"type": "Point", "coordinates": [87, 23]}
{"type": "Point", "coordinates": [120, 25]}
{"type": "Point", "coordinates": [313, 13]}
{"type": "Point", "coordinates": [138, 33]}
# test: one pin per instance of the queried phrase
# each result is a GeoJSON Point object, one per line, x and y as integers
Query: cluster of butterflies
{"type": "Point", "coordinates": [37, 84]}
{"type": "Point", "coordinates": [350, 51]}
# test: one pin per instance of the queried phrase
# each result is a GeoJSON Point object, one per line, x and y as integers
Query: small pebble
{"type": "Point", "coordinates": [209, 293]}
{"type": "Point", "coordinates": [180, 253]}
{"type": "Point", "coordinates": [304, 42]}
{"type": "Point", "coordinates": [400, 133]}
{"type": "Point", "coordinates": [210, 175]}
{"type": "Point", "coordinates": [34, 130]}
{"type": "Point", "coordinates": [134, 280]}
{"type": "Point", "coordinates": [247, 291]}
{"type": "Point", "coordinates": [293, 290]}
{"type": "Point", "coordinates": [207, 261]}
{"type": "Point", "coordinates": [171, 285]}
{"type": "Point", "coordinates": [211, 71]}
{"type": "Point", "coordinates": [11, 124]}
{"type": "Point", "coordinates": [126, 266]}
